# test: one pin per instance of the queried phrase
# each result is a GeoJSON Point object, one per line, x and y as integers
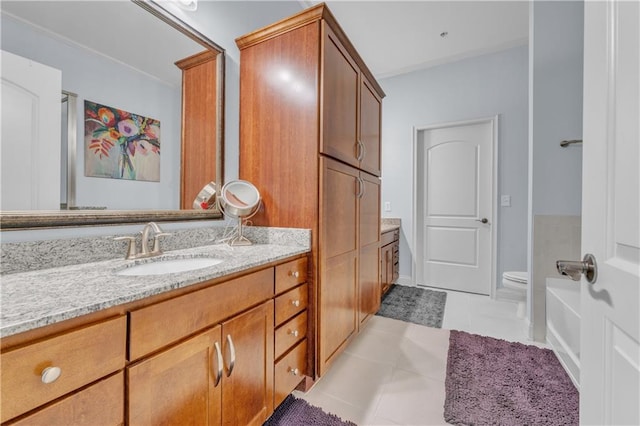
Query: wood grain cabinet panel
{"type": "Point", "coordinates": [290, 333]}
{"type": "Point", "coordinates": [290, 274]}
{"type": "Point", "coordinates": [370, 128]}
{"type": "Point", "coordinates": [340, 101]}
{"type": "Point", "coordinates": [83, 356]}
{"type": "Point", "coordinates": [290, 303]}
{"type": "Point", "coordinates": [289, 371]}
{"type": "Point", "coordinates": [201, 139]}
{"type": "Point", "coordinates": [178, 386]}
{"type": "Point", "coordinates": [308, 151]}
{"type": "Point", "coordinates": [159, 325]}
{"type": "Point", "coordinates": [389, 259]}
{"type": "Point", "coordinates": [221, 376]}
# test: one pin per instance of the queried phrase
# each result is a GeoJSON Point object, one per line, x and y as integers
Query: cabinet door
{"type": "Point", "coordinates": [369, 246]}
{"type": "Point", "coordinates": [178, 386]}
{"type": "Point", "coordinates": [339, 101]}
{"type": "Point", "coordinates": [338, 252]}
{"type": "Point", "coordinates": [370, 111]}
{"type": "Point", "coordinates": [247, 395]}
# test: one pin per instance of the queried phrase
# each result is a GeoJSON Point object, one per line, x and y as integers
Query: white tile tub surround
{"type": "Point", "coordinates": [563, 324]}
{"type": "Point", "coordinates": [554, 238]}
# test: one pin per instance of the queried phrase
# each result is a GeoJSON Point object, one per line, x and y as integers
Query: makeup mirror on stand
{"type": "Point", "coordinates": [240, 200]}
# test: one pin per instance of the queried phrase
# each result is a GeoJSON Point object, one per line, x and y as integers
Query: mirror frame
{"type": "Point", "coordinates": [21, 220]}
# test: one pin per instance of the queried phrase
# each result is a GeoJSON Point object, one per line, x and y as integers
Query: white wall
{"type": "Point", "coordinates": [556, 33]}
{"type": "Point", "coordinates": [484, 86]}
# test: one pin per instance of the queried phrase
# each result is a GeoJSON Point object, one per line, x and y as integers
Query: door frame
{"type": "Point", "coordinates": [417, 272]}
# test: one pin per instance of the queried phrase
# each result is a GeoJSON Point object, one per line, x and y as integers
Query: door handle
{"type": "Point", "coordinates": [574, 269]}
{"type": "Point", "coordinates": [232, 355]}
{"type": "Point", "coordinates": [483, 220]}
{"type": "Point", "coordinates": [218, 370]}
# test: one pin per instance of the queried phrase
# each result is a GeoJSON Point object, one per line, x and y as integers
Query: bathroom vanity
{"type": "Point", "coordinates": [389, 255]}
{"type": "Point", "coordinates": [225, 344]}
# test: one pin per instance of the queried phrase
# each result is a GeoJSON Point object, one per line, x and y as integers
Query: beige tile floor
{"type": "Point", "coordinates": [393, 373]}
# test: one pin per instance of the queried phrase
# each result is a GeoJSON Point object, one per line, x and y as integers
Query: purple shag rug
{"type": "Point", "coordinates": [297, 412]}
{"type": "Point", "coordinates": [494, 382]}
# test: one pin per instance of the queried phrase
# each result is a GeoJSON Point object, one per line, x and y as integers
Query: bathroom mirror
{"type": "Point", "coordinates": [134, 34]}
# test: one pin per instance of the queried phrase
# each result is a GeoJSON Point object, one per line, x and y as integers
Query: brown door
{"type": "Point", "coordinates": [247, 396]}
{"type": "Point", "coordinates": [370, 111]}
{"type": "Point", "coordinates": [339, 101]}
{"type": "Point", "coordinates": [338, 252]}
{"type": "Point", "coordinates": [369, 246]}
{"type": "Point", "coordinates": [178, 386]}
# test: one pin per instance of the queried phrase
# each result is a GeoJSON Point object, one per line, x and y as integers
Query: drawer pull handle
{"type": "Point", "coordinates": [294, 333]}
{"type": "Point", "coordinates": [50, 374]}
{"type": "Point", "coordinates": [232, 355]}
{"type": "Point", "coordinates": [219, 363]}
{"type": "Point", "coordinates": [294, 371]}
{"type": "Point", "coordinates": [294, 274]}
{"type": "Point", "coordinates": [295, 303]}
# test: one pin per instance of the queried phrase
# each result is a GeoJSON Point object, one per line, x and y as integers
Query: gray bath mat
{"type": "Point", "coordinates": [494, 382]}
{"type": "Point", "coordinates": [297, 412]}
{"type": "Point", "coordinates": [412, 304]}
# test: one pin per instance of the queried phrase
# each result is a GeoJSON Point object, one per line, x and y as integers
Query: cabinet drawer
{"type": "Point", "coordinates": [290, 303]}
{"type": "Point", "coordinates": [389, 237]}
{"type": "Point", "coordinates": [156, 326]}
{"type": "Point", "coordinates": [289, 372]}
{"type": "Point", "coordinates": [99, 404]}
{"type": "Point", "coordinates": [82, 355]}
{"type": "Point", "coordinates": [291, 274]}
{"type": "Point", "coordinates": [290, 333]}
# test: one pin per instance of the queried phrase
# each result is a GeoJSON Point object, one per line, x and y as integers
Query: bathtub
{"type": "Point", "coordinates": [563, 324]}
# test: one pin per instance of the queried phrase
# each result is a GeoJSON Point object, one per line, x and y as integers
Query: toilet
{"type": "Point", "coordinates": [517, 281]}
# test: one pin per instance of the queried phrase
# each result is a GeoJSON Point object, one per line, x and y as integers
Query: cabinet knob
{"type": "Point", "coordinates": [294, 274]}
{"type": "Point", "coordinates": [50, 374]}
{"type": "Point", "coordinates": [295, 303]}
{"type": "Point", "coordinates": [294, 333]}
{"type": "Point", "coordinates": [294, 371]}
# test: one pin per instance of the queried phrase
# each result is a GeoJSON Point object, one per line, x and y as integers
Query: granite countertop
{"type": "Point", "coordinates": [37, 298]}
{"type": "Point", "coordinates": [389, 224]}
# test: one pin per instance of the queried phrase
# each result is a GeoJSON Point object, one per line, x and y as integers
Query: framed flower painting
{"type": "Point", "coordinates": [120, 144]}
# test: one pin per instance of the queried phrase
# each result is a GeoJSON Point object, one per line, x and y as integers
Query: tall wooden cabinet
{"type": "Point", "coordinates": [310, 141]}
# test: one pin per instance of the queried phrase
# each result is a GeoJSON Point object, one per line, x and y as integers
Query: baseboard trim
{"type": "Point", "coordinates": [405, 280]}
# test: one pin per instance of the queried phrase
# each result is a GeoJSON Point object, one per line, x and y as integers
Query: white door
{"type": "Point", "coordinates": [30, 138]}
{"type": "Point", "coordinates": [457, 206]}
{"type": "Point", "coordinates": [610, 350]}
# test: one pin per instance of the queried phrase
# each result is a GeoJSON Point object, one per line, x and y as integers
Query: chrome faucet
{"type": "Point", "coordinates": [132, 251]}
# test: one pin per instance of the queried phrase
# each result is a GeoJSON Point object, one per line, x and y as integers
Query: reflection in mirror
{"type": "Point", "coordinates": [121, 56]}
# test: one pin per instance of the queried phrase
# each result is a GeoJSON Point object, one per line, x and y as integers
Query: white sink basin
{"type": "Point", "coordinates": [169, 266]}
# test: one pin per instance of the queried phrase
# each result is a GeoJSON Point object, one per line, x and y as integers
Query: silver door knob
{"type": "Point", "coordinates": [574, 269]}
{"type": "Point", "coordinates": [483, 220]}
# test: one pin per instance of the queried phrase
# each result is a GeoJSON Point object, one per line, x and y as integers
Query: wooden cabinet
{"type": "Point", "coordinates": [181, 385]}
{"type": "Point", "coordinates": [389, 258]}
{"type": "Point", "coordinates": [291, 320]}
{"type": "Point", "coordinates": [45, 370]}
{"type": "Point", "coordinates": [208, 356]}
{"type": "Point", "coordinates": [240, 347]}
{"type": "Point", "coordinates": [222, 376]}
{"type": "Point", "coordinates": [351, 108]}
{"type": "Point", "coordinates": [310, 141]}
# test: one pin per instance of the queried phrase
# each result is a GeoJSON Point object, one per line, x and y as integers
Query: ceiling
{"type": "Point", "coordinates": [119, 30]}
{"type": "Point", "coordinates": [395, 37]}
